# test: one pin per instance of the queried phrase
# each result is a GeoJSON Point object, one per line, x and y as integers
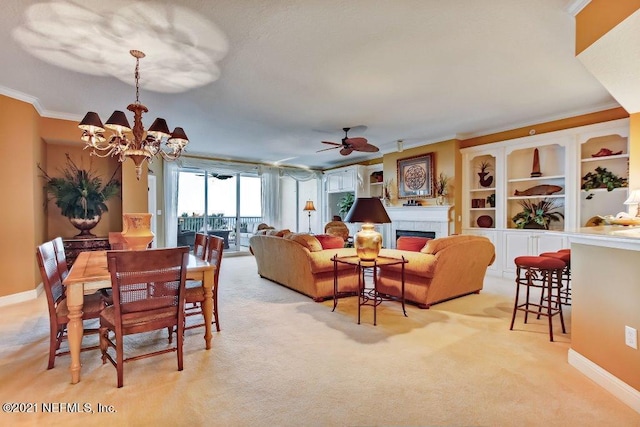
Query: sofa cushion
{"type": "Point", "coordinates": [411, 243]}
{"type": "Point", "coordinates": [330, 242]}
{"type": "Point", "coordinates": [277, 233]}
{"type": "Point", "coordinates": [307, 240]}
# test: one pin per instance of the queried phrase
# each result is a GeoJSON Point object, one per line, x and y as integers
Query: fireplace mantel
{"type": "Point", "coordinates": [420, 218]}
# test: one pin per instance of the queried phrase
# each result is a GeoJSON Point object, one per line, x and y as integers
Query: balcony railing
{"type": "Point", "coordinates": [196, 223]}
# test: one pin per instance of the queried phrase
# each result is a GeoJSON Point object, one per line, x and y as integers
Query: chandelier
{"type": "Point", "coordinates": [143, 146]}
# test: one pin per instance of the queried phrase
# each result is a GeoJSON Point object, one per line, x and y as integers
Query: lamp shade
{"type": "Point", "coordinates": [634, 198]}
{"type": "Point", "coordinates": [368, 241]}
{"type": "Point", "coordinates": [159, 129]}
{"type": "Point", "coordinates": [91, 123]}
{"type": "Point", "coordinates": [118, 122]}
{"type": "Point", "coordinates": [368, 209]}
{"type": "Point", "coordinates": [309, 206]}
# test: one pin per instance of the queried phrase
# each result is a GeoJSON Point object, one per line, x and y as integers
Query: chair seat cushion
{"type": "Point", "coordinates": [108, 315]}
{"type": "Point", "coordinates": [194, 293]}
{"type": "Point", "coordinates": [91, 308]}
{"type": "Point", "coordinates": [540, 262]}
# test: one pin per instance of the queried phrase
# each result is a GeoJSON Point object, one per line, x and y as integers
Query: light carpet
{"type": "Point", "coordinates": [283, 360]}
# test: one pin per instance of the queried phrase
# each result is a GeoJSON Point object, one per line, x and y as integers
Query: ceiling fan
{"type": "Point", "coordinates": [349, 145]}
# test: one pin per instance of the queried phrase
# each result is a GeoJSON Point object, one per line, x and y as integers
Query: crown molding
{"type": "Point", "coordinates": [29, 99]}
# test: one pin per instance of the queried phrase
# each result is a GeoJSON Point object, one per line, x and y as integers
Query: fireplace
{"type": "Point", "coordinates": [429, 234]}
{"type": "Point", "coordinates": [434, 220]}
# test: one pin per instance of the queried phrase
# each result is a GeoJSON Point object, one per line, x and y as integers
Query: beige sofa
{"type": "Point", "coordinates": [301, 264]}
{"type": "Point", "coordinates": [445, 268]}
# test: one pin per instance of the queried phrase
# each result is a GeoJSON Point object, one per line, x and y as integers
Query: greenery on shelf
{"type": "Point", "coordinates": [602, 178]}
{"type": "Point", "coordinates": [345, 203]}
{"type": "Point", "coordinates": [80, 193]}
{"type": "Point", "coordinates": [537, 214]}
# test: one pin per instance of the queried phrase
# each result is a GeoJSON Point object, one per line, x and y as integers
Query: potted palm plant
{"type": "Point", "coordinates": [81, 195]}
{"type": "Point", "coordinates": [537, 214]}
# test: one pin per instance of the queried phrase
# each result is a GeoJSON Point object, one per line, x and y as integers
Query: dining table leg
{"type": "Point", "coordinates": [207, 306]}
{"type": "Point", "coordinates": [75, 300]}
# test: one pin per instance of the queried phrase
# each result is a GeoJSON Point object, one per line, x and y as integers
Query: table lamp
{"type": "Point", "coordinates": [634, 199]}
{"type": "Point", "coordinates": [369, 211]}
{"type": "Point", "coordinates": [309, 207]}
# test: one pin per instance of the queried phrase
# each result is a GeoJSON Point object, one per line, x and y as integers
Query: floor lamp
{"type": "Point", "coordinates": [309, 207]}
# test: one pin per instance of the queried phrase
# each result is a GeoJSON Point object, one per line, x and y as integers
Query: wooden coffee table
{"type": "Point", "coordinates": [368, 296]}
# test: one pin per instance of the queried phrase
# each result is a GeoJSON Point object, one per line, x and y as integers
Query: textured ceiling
{"type": "Point", "coordinates": [267, 80]}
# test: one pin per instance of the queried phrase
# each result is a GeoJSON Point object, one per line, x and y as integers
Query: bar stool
{"type": "Point", "coordinates": [543, 273]}
{"type": "Point", "coordinates": [564, 255]}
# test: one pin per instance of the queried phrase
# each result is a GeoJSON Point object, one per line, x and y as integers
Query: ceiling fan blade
{"type": "Point", "coordinates": [346, 151]}
{"type": "Point", "coordinates": [332, 148]}
{"type": "Point", "coordinates": [356, 142]}
{"type": "Point", "coordinates": [330, 143]}
{"type": "Point", "coordinates": [367, 148]}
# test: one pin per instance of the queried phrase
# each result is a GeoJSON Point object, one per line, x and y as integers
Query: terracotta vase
{"type": "Point", "coordinates": [85, 225]}
{"type": "Point", "coordinates": [136, 230]}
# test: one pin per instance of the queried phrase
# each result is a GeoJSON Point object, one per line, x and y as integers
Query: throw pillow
{"type": "Point", "coordinates": [330, 242]}
{"type": "Point", "coordinates": [435, 245]}
{"type": "Point", "coordinates": [308, 241]}
{"type": "Point", "coordinates": [411, 243]}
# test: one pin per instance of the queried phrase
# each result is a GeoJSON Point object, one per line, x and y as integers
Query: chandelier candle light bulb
{"type": "Point", "coordinates": [145, 145]}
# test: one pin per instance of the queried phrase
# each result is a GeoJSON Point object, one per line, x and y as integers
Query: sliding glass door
{"type": "Point", "coordinates": [219, 203]}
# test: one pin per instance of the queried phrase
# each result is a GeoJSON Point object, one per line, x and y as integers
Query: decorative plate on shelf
{"type": "Point", "coordinates": [604, 152]}
{"type": "Point", "coordinates": [484, 221]}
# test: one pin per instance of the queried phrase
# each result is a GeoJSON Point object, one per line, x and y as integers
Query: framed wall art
{"type": "Point", "coordinates": [415, 176]}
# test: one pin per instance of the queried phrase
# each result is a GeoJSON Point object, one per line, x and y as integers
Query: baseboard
{"type": "Point", "coordinates": [623, 391]}
{"type": "Point", "coordinates": [21, 296]}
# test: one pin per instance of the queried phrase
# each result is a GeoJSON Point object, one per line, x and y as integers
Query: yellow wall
{"type": "Point", "coordinates": [605, 300]}
{"type": "Point", "coordinates": [23, 222]}
{"type": "Point", "coordinates": [447, 160]}
{"type": "Point", "coordinates": [634, 151]}
{"type": "Point", "coordinates": [599, 17]}
{"type": "Point", "coordinates": [61, 137]}
{"type": "Point", "coordinates": [134, 192]}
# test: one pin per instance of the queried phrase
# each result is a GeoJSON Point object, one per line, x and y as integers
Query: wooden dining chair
{"type": "Point", "coordinates": [200, 245]}
{"type": "Point", "coordinates": [148, 294]}
{"type": "Point", "coordinates": [57, 302]}
{"type": "Point", "coordinates": [195, 291]}
{"type": "Point", "coordinates": [61, 257]}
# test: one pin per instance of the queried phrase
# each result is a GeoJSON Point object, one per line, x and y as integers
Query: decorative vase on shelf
{"type": "Point", "coordinates": [136, 230]}
{"type": "Point", "coordinates": [440, 200]}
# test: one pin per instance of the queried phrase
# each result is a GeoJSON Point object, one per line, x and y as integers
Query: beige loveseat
{"type": "Point", "coordinates": [445, 268]}
{"type": "Point", "coordinates": [299, 262]}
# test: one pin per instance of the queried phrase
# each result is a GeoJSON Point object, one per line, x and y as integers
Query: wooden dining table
{"type": "Point", "coordinates": [90, 273]}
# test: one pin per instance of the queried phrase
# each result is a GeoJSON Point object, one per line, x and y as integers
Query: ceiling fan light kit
{"type": "Point", "coordinates": [349, 145]}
